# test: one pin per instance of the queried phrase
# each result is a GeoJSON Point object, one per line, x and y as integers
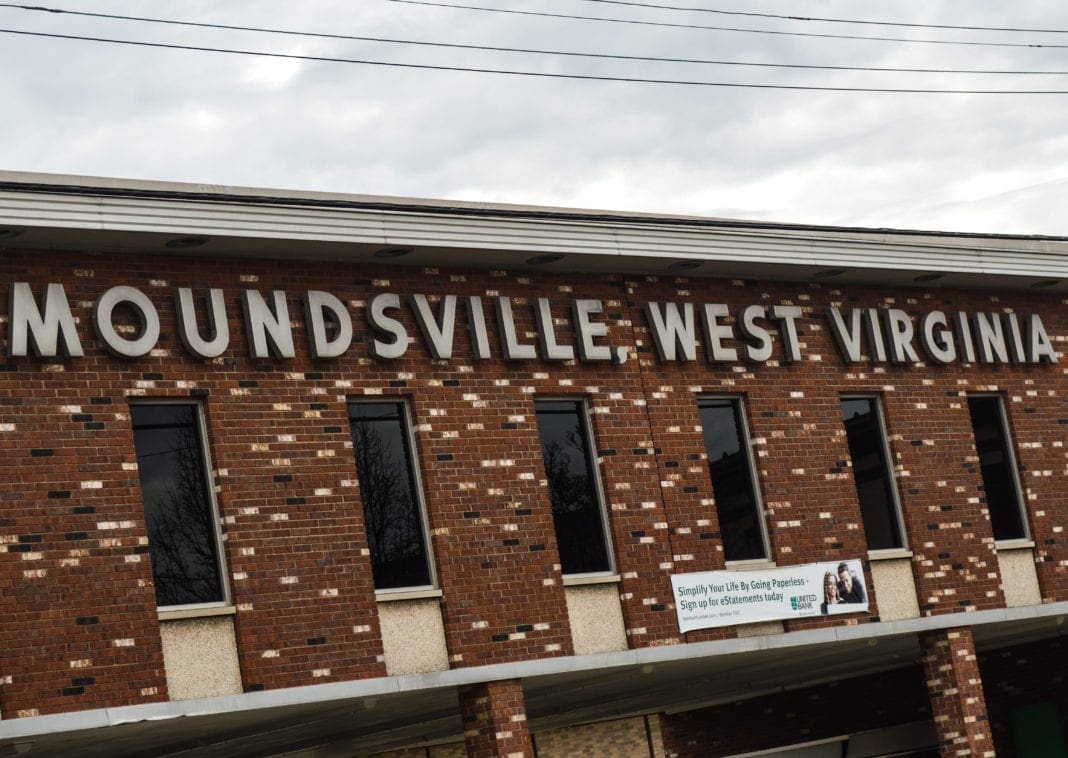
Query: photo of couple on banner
{"type": "Point", "coordinates": [842, 586]}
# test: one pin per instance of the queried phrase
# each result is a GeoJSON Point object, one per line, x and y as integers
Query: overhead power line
{"type": "Point", "coordinates": [671, 25]}
{"type": "Point", "coordinates": [537, 74]}
{"type": "Point", "coordinates": [525, 50]}
{"type": "Point", "coordinates": [824, 19]}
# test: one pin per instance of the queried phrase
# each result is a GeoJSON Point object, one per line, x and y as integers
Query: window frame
{"type": "Point", "coordinates": [1014, 470]}
{"type": "Point", "coordinates": [888, 456]}
{"type": "Point", "coordinates": [594, 461]}
{"type": "Point", "coordinates": [214, 607]}
{"type": "Point", "coordinates": [742, 417]}
{"type": "Point", "coordinates": [411, 591]}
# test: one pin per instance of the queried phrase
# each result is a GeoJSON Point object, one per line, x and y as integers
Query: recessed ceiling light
{"type": "Point", "coordinates": [184, 243]}
{"type": "Point", "coordinates": [928, 277]}
{"type": "Point", "coordinates": [827, 273]}
{"type": "Point", "coordinates": [1045, 283]}
{"type": "Point", "coordinates": [6, 234]}
{"type": "Point", "coordinates": [541, 260]}
{"type": "Point", "coordinates": [685, 265]}
{"type": "Point", "coordinates": [393, 252]}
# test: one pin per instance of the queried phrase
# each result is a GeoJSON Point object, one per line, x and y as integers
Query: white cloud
{"type": "Point", "coordinates": [956, 162]}
{"type": "Point", "coordinates": [271, 72]}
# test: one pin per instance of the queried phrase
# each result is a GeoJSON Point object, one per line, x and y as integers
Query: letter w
{"type": "Point", "coordinates": [672, 329]}
{"type": "Point", "coordinates": [44, 335]}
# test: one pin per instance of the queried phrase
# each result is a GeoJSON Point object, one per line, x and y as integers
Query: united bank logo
{"type": "Point", "coordinates": [802, 602]}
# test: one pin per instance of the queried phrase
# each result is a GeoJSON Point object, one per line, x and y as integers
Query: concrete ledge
{"type": "Point", "coordinates": [584, 579]}
{"type": "Point", "coordinates": [195, 613]}
{"type": "Point", "coordinates": [1001, 545]}
{"type": "Point", "coordinates": [889, 555]}
{"type": "Point", "coordinates": [389, 596]}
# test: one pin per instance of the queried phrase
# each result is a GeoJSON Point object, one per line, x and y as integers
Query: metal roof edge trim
{"type": "Point", "coordinates": [193, 192]}
{"type": "Point", "coordinates": [861, 250]}
{"type": "Point", "coordinates": [379, 686]}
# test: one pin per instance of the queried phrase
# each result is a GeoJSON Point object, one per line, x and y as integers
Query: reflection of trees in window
{"type": "Point", "coordinates": [733, 483]}
{"type": "Point", "coordinates": [174, 487]}
{"type": "Point", "coordinates": [871, 473]}
{"type": "Point", "coordinates": [996, 465]}
{"type": "Point", "coordinates": [391, 513]}
{"type": "Point", "coordinates": [572, 489]}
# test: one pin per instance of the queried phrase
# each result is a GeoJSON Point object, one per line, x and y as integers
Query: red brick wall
{"type": "Point", "coordinates": [794, 418]}
{"type": "Point", "coordinates": [955, 687]}
{"type": "Point", "coordinates": [495, 720]}
{"type": "Point", "coordinates": [293, 502]}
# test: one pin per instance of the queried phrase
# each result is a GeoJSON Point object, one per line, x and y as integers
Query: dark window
{"type": "Point", "coordinates": [996, 463]}
{"type": "Point", "coordinates": [182, 534]}
{"type": "Point", "coordinates": [733, 481]}
{"type": "Point", "coordinates": [871, 473]}
{"type": "Point", "coordinates": [577, 513]}
{"type": "Point", "coordinates": [392, 515]}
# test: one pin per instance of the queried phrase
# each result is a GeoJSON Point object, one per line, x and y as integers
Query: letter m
{"type": "Point", "coordinates": [46, 335]}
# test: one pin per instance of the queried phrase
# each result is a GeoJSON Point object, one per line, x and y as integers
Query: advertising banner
{"type": "Point", "coordinates": [722, 598]}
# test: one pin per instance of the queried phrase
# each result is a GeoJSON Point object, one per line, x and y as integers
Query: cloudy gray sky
{"type": "Point", "coordinates": [964, 162]}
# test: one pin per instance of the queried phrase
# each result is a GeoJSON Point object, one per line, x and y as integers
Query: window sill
{"type": "Point", "coordinates": [175, 614]}
{"type": "Point", "coordinates": [578, 580]}
{"type": "Point", "coordinates": [1021, 544]}
{"type": "Point", "coordinates": [391, 596]}
{"type": "Point", "coordinates": [891, 554]}
{"type": "Point", "coordinates": [752, 565]}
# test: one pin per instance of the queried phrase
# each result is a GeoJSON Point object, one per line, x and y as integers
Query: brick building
{"type": "Point", "coordinates": [333, 475]}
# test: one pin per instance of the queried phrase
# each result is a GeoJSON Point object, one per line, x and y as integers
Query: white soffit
{"type": "Point", "coordinates": [236, 220]}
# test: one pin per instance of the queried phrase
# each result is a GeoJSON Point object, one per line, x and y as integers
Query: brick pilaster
{"type": "Point", "coordinates": [495, 720]}
{"type": "Point", "coordinates": [955, 687]}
